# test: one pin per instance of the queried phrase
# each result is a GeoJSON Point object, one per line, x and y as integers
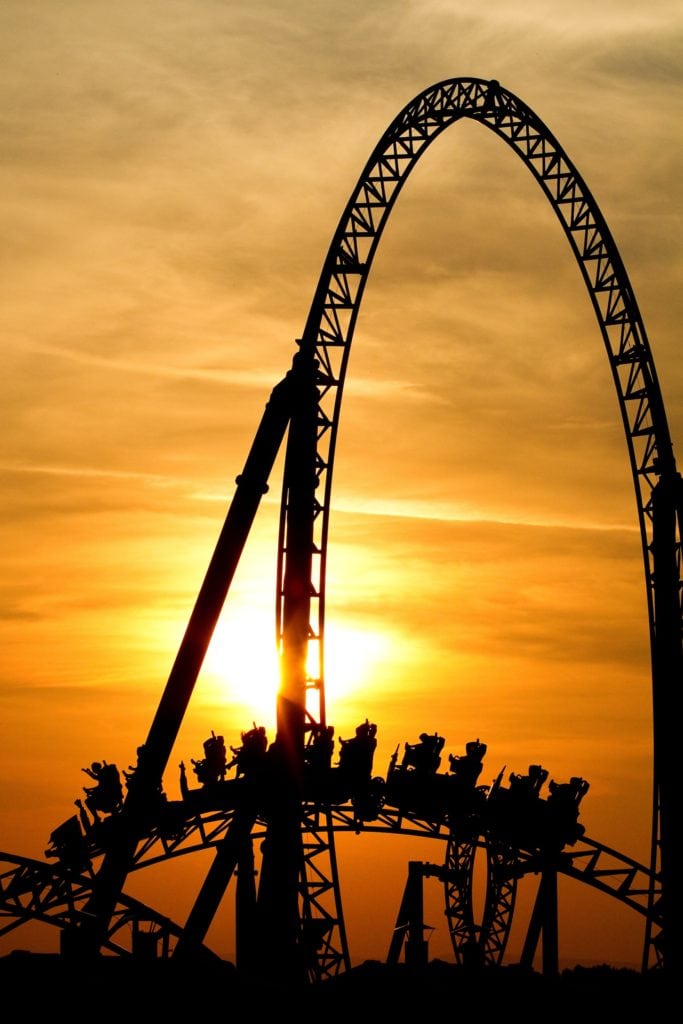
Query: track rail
{"type": "Point", "coordinates": [29, 891]}
{"type": "Point", "coordinates": [330, 327]}
{"type": "Point", "coordinates": [32, 890]}
{"type": "Point", "coordinates": [332, 318]}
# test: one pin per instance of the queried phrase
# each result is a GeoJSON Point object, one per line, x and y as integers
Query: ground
{"type": "Point", "coordinates": [111, 989]}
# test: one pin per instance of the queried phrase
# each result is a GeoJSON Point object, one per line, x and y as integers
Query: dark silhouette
{"type": "Point", "coordinates": [213, 766]}
{"type": "Point", "coordinates": [250, 759]}
{"type": "Point", "coordinates": [467, 768]}
{"type": "Point", "coordinates": [304, 407]}
{"type": "Point", "coordinates": [319, 748]}
{"type": "Point", "coordinates": [356, 755]}
{"type": "Point", "coordinates": [425, 756]}
{"type": "Point", "coordinates": [106, 796]}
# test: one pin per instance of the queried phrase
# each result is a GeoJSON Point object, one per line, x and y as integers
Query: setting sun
{"type": "Point", "coordinates": [241, 664]}
{"type": "Point", "coordinates": [179, 307]}
{"type": "Point", "coordinates": [353, 657]}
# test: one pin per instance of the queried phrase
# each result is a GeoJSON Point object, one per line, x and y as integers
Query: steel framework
{"type": "Point", "coordinates": [32, 890]}
{"type": "Point", "coordinates": [329, 330]}
{"type": "Point", "coordinates": [299, 885]}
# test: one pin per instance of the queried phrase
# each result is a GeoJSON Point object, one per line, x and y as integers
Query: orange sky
{"type": "Point", "coordinates": [172, 176]}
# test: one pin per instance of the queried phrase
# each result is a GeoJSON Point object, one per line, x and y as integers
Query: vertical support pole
{"type": "Point", "coordinates": [550, 922]}
{"type": "Point", "coordinates": [533, 933]}
{"type": "Point", "coordinates": [401, 926]}
{"type": "Point", "coordinates": [544, 925]}
{"type": "Point", "coordinates": [229, 853]}
{"type": "Point", "coordinates": [283, 862]}
{"type": "Point", "coordinates": [417, 954]}
{"type": "Point", "coordinates": [409, 928]}
{"type": "Point", "coordinates": [666, 695]}
{"type": "Point", "coordinates": [245, 911]}
{"type": "Point", "coordinates": [300, 484]}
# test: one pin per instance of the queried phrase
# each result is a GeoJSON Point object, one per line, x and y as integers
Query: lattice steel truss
{"type": "Point", "coordinates": [35, 891]}
{"type": "Point", "coordinates": [334, 311]}
{"type": "Point", "coordinates": [325, 346]}
{"type": "Point", "coordinates": [32, 890]}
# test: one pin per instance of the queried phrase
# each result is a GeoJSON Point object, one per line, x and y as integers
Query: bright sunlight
{"type": "Point", "coordinates": [241, 664]}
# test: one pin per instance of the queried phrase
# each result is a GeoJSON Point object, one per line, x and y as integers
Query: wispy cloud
{"type": "Point", "coordinates": [88, 471]}
{"type": "Point", "coordinates": [445, 513]}
{"type": "Point", "coordinates": [210, 375]}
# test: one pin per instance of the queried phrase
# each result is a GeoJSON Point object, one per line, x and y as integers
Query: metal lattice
{"type": "Point", "coordinates": [334, 310]}
{"type": "Point", "coordinates": [31, 892]}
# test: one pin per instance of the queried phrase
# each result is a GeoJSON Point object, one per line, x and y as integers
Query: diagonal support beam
{"type": "Point", "coordinates": [252, 484]}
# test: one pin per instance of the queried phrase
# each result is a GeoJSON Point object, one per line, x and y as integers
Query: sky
{"type": "Point", "coordinates": [172, 175]}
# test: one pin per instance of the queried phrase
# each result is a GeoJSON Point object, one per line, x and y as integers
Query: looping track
{"type": "Point", "coordinates": [334, 310]}
{"type": "Point", "coordinates": [32, 890]}
{"type": "Point", "coordinates": [37, 891]}
{"type": "Point", "coordinates": [330, 327]}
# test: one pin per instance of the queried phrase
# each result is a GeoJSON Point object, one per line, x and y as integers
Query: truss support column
{"type": "Point", "coordinates": [283, 859]}
{"type": "Point", "coordinates": [667, 505]}
{"type": "Point", "coordinates": [458, 881]}
{"type": "Point", "coordinates": [501, 892]}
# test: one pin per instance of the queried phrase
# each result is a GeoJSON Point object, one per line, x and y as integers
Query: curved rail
{"type": "Point", "coordinates": [332, 318]}
{"type": "Point", "coordinates": [34, 890]}
{"type": "Point", "coordinates": [31, 890]}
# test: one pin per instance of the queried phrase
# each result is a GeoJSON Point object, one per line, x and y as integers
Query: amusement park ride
{"type": "Point", "coordinates": [291, 796]}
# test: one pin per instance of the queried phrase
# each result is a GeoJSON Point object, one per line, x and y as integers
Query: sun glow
{"type": "Point", "coordinates": [241, 664]}
{"type": "Point", "coordinates": [353, 657]}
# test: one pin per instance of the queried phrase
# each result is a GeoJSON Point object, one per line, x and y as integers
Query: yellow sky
{"type": "Point", "coordinates": [172, 174]}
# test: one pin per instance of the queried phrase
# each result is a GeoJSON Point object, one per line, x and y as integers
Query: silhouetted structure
{"type": "Point", "coordinates": [291, 925]}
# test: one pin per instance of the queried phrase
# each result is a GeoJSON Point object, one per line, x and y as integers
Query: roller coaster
{"type": "Point", "coordinates": [289, 798]}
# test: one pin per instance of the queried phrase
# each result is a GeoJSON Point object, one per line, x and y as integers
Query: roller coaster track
{"type": "Point", "coordinates": [325, 346]}
{"type": "Point", "coordinates": [32, 890]}
{"type": "Point", "coordinates": [329, 331]}
{"type": "Point", "coordinates": [334, 310]}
